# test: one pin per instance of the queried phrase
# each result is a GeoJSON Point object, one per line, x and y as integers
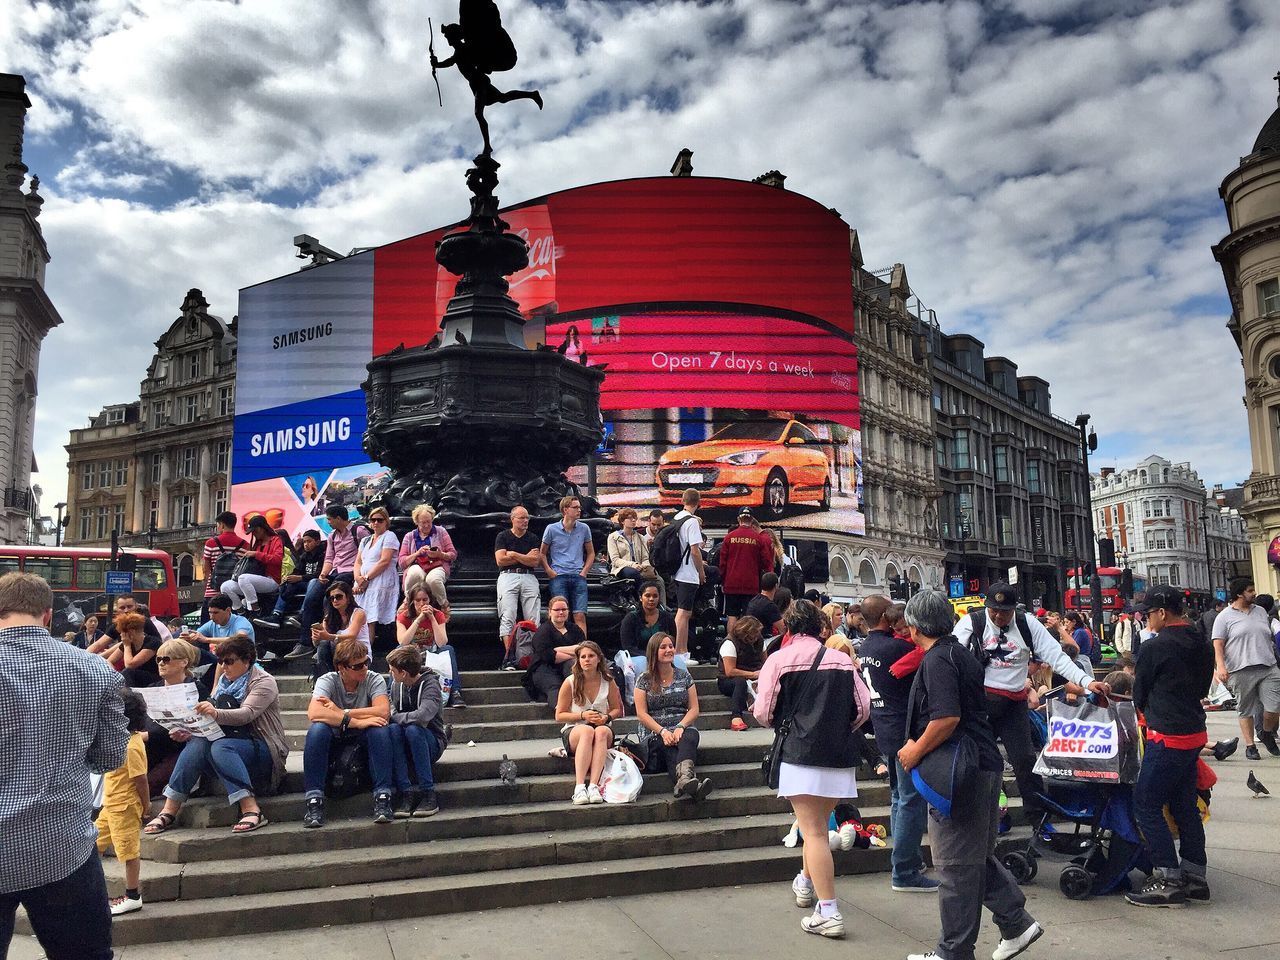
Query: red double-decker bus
{"type": "Point", "coordinates": [78, 577]}
{"type": "Point", "coordinates": [1078, 595]}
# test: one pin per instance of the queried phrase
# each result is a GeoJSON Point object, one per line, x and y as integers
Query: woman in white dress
{"type": "Point", "coordinates": [377, 582]}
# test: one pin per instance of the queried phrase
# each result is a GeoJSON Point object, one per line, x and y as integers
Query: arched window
{"type": "Point", "coordinates": [840, 570]}
{"type": "Point", "coordinates": [914, 575]}
{"type": "Point", "coordinates": [1165, 474]}
{"type": "Point", "coordinates": [867, 574]}
{"type": "Point", "coordinates": [890, 571]}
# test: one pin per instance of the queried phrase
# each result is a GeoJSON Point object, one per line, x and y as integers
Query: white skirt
{"type": "Point", "coordinates": [795, 779]}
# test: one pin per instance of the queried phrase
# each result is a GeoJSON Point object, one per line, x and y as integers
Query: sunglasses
{"type": "Point", "coordinates": [362, 665]}
{"type": "Point", "coordinates": [337, 596]}
{"type": "Point", "coordinates": [228, 661]}
{"type": "Point", "coordinates": [377, 519]}
{"type": "Point", "coordinates": [161, 661]}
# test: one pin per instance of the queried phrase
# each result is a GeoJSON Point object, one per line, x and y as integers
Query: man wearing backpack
{"type": "Point", "coordinates": [1004, 642]}
{"type": "Point", "coordinates": [219, 557]}
{"type": "Point", "coordinates": [692, 572]}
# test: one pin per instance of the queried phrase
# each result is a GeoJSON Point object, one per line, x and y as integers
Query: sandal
{"type": "Point", "coordinates": [559, 753]}
{"type": "Point", "coordinates": [159, 824]}
{"type": "Point", "coordinates": [250, 822]}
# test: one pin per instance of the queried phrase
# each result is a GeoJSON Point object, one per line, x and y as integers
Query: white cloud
{"type": "Point", "coordinates": [1052, 189]}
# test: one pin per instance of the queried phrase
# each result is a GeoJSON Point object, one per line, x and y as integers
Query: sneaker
{"type": "Point", "coordinates": [804, 893]}
{"type": "Point", "coordinates": [1268, 740]}
{"type": "Point", "coordinates": [1197, 887]}
{"type": "Point", "coordinates": [1158, 891]}
{"type": "Point", "coordinates": [429, 806]}
{"type": "Point", "coordinates": [1251, 753]}
{"type": "Point", "coordinates": [123, 905]}
{"type": "Point", "coordinates": [923, 956]}
{"type": "Point", "coordinates": [314, 817]}
{"type": "Point", "coordinates": [737, 723]}
{"type": "Point", "coordinates": [920, 884]}
{"type": "Point", "coordinates": [1225, 748]}
{"type": "Point", "coordinates": [293, 622]}
{"type": "Point", "coordinates": [509, 665]}
{"type": "Point", "coordinates": [382, 808]}
{"type": "Point", "coordinates": [832, 926]}
{"type": "Point", "coordinates": [269, 620]}
{"type": "Point", "coordinates": [580, 795]}
{"type": "Point", "coordinates": [300, 651]}
{"type": "Point", "coordinates": [409, 801]}
{"type": "Point", "coordinates": [690, 662]}
{"type": "Point", "coordinates": [456, 701]}
{"type": "Point", "coordinates": [1011, 948]}
{"type": "Point", "coordinates": [594, 795]}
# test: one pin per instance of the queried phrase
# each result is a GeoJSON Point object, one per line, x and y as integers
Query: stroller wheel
{"type": "Point", "coordinates": [1020, 865]}
{"type": "Point", "coordinates": [1076, 883]}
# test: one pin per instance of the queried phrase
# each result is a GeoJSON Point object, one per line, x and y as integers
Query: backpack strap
{"type": "Point", "coordinates": [979, 620]}
{"type": "Point", "coordinates": [1024, 628]}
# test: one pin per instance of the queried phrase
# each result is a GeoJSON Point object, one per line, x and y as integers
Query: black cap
{"type": "Point", "coordinates": [258, 520]}
{"type": "Point", "coordinates": [1162, 597]}
{"type": "Point", "coordinates": [1001, 596]}
{"type": "Point", "coordinates": [745, 512]}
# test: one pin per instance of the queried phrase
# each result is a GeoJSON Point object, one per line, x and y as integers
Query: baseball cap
{"type": "Point", "coordinates": [1161, 597]}
{"type": "Point", "coordinates": [746, 512]}
{"type": "Point", "coordinates": [1001, 596]}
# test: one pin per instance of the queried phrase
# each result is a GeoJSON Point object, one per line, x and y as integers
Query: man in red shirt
{"type": "Point", "coordinates": [226, 541]}
{"type": "Point", "coordinates": [745, 553]}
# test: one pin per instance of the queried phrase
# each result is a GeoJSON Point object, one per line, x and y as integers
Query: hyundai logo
{"type": "Point", "coordinates": [686, 463]}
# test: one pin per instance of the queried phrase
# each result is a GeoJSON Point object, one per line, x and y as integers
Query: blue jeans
{"type": "Point", "coordinates": [908, 820]}
{"type": "Point", "coordinates": [315, 757]}
{"type": "Point", "coordinates": [571, 586]}
{"type": "Point", "coordinates": [288, 593]}
{"type": "Point", "coordinates": [410, 740]}
{"type": "Point", "coordinates": [243, 766]}
{"type": "Point", "coordinates": [70, 916]}
{"type": "Point", "coordinates": [1168, 776]}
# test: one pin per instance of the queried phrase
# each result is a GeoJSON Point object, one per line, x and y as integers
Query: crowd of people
{"type": "Point", "coordinates": [876, 683]}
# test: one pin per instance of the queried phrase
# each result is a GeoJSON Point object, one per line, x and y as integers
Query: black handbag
{"type": "Point", "coordinates": [248, 564]}
{"type": "Point", "coordinates": [771, 764]}
{"type": "Point", "coordinates": [244, 731]}
{"type": "Point", "coordinates": [348, 772]}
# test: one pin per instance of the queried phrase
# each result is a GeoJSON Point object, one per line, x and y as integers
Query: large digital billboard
{"type": "Point", "coordinates": [721, 312]}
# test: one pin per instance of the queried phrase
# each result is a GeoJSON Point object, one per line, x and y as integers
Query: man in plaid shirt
{"type": "Point", "coordinates": [61, 717]}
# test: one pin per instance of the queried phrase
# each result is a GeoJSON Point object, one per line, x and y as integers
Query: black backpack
{"type": "Point", "coordinates": [224, 566]}
{"type": "Point", "coordinates": [979, 620]}
{"type": "Point", "coordinates": [666, 554]}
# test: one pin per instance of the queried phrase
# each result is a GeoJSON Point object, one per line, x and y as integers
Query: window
{"type": "Point", "coordinates": [122, 472]}
{"type": "Point", "coordinates": [86, 477]}
{"type": "Point", "coordinates": [116, 415]}
{"type": "Point", "coordinates": [1033, 476]}
{"type": "Point", "coordinates": [194, 365]}
{"type": "Point", "coordinates": [54, 570]}
{"type": "Point", "coordinates": [190, 408]}
{"type": "Point", "coordinates": [962, 459]}
{"type": "Point", "coordinates": [190, 456]}
{"type": "Point", "coordinates": [839, 570]}
{"type": "Point", "coordinates": [1173, 574]}
{"type": "Point", "coordinates": [1269, 296]}
{"type": "Point", "coordinates": [157, 414]}
{"type": "Point", "coordinates": [867, 574]}
{"type": "Point", "coordinates": [937, 397]}
{"type": "Point", "coordinates": [91, 574]}
{"type": "Point", "coordinates": [101, 518]}
{"type": "Point", "coordinates": [157, 467]}
{"type": "Point", "coordinates": [153, 515]}
{"type": "Point", "coordinates": [1002, 464]}
{"type": "Point", "coordinates": [219, 500]}
{"type": "Point", "coordinates": [222, 457]}
{"type": "Point", "coordinates": [104, 473]}
{"type": "Point", "coordinates": [940, 452]}
{"type": "Point", "coordinates": [183, 512]}
{"type": "Point", "coordinates": [117, 518]}
{"type": "Point", "coordinates": [226, 402]}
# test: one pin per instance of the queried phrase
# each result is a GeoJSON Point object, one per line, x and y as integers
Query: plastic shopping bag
{"type": "Point", "coordinates": [1091, 744]}
{"type": "Point", "coordinates": [622, 781]}
{"type": "Point", "coordinates": [441, 664]}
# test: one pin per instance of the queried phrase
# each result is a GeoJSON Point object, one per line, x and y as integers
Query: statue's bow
{"type": "Point", "coordinates": [431, 52]}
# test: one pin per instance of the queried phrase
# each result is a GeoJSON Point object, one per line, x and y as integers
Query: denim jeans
{"type": "Point", "coordinates": [908, 819]}
{"type": "Point", "coordinates": [243, 766]}
{"type": "Point", "coordinates": [288, 593]}
{"type": "Point", "coordinates": [315, 756]}
{"type": "Point", "coordinates": [571, 586]}
{"type": "Point", "coordinates": [1168, 776]}
{"type": "Point", "coordinates": [410, 740]}
{"type": "Point", "coordinates": [70, 917]}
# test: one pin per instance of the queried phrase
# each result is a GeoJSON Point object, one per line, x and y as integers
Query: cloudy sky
{"type": "Point", "coordinates": [1046, 169]}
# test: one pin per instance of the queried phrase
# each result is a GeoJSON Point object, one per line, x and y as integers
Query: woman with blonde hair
{"type": "Point", "coordinates": [427, 555]}
{"type": "Point", "coordinates": [588, 704]}
{"type": "Point", "coordinates": [376, 583]}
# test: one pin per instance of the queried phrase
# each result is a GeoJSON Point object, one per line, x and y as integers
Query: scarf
{"type": "Point", "coordinates": [235, 688]}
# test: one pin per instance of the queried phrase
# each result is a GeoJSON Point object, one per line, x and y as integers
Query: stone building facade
{"type": "Point", "coordinates": [1250, 258]}
{"type": "Point", "coordinates": [168, 454]}
{"type": "Point", "coordinates": [26, 317]}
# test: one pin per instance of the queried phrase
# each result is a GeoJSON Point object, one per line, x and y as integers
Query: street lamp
{"type": "Point", "coordinates": [57, 531]}
{"type": "Point", "coordinates": [1088, 444]}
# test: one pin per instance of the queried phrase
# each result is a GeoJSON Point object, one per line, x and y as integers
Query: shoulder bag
{"type": "Point", "coordinates": [771, 764]}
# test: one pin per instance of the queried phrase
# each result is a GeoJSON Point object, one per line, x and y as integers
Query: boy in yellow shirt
{"type": "Point", "coordinates": [124, 804]}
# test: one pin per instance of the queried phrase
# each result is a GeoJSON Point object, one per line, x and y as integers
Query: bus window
{"type": "Point", "coordinates": [91, 574]}
{"type": "Point", "coordinates": [8, 565]}
{"type": "Point", "coordinates": [56, 571]}
{"type": "Point", "coordinates": [149, 575]}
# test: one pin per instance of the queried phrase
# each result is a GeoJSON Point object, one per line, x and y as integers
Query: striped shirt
{"type": "Point", "coordinates": [61, 717]}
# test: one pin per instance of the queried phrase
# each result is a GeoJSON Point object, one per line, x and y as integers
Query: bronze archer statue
{"type": "Point", "coordinates": [480, 47]}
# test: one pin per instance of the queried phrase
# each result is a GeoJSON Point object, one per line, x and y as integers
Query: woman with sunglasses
{"type": "Point", "coordinates": [250, 757]}
{"type": "Point", "coordinates": [343, 621]}
{"type": "Point", "coordinates": [377, 582]}
{"type": "Point", "coordinates": [175, 660]}
{"type": "Point", "coordinates": [348, 704]}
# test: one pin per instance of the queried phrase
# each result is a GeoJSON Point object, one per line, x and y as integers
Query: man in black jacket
{"type": "Point", "coordinates": [1173, 675]}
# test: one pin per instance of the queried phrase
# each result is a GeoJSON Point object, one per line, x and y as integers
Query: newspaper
{"type": "Point", "coordinates": [174, 708]}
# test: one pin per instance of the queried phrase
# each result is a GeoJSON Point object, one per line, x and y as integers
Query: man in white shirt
{"type": "Point", "coordinates": [1245, 651]}
{"type": "Point", "coordinates": [1005, 647]}
{"type": "Point", "coordinates": [692, 573]}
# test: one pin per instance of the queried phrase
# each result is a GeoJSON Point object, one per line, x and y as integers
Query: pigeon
{"type": "Point", "coordinates": [507, 771]}
{"type": "Point", "coordinates": [458, 335]}
{"type": "Point", "coordinates": [432, 343]}
{"type": "Point", "coordinates": [1256, 785]}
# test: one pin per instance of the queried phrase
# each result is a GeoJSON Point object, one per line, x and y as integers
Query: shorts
{"type": "Point", "coordinates": [686, 594]}
{"type": "Point", "coordinates": [564, 737]}
{"type": "Point", "coordinates": [735, 604]}
{"type": "Point", "coordinates": [121, 828]}
{"type": "Point", "coordinates": [571, 586]}
{"type": "Point", "coordinates": [1252, 685]}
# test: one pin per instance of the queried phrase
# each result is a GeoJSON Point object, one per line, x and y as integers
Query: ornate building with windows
{"type": "Point", "coordinates": [1250, 258]}
{"type": "Point", "coordinates": [900, 487]}
{"type": "Point", "coordinates": [26, 317]}
{"type": "Point", "coordinates": [167, 456]}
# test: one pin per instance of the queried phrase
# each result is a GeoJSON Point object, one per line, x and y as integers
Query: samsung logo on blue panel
{"type": "Point", "coordinates": [300, 438]}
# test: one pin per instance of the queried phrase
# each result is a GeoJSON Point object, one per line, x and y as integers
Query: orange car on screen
{"type": "Point", "coordinates": [769, 464]}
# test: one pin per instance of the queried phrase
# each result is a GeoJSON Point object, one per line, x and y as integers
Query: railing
{"type": "Point", "coordinates": [1261, 489]}
{"type": "Point", "coordinates": [17, 499]}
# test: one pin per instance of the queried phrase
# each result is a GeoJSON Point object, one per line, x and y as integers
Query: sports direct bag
{"type": "Point", "coordinates": [667, 553]}
{"type": "Point", "coordinates": [621, 781]}
{"type": "Point", "coordinates": [1091, 744]}
{"type": "Point", "coordinates": [439, 662]}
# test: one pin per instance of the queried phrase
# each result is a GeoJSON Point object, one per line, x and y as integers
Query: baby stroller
{"type": "Point", "coordinates": [1091, 794]}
